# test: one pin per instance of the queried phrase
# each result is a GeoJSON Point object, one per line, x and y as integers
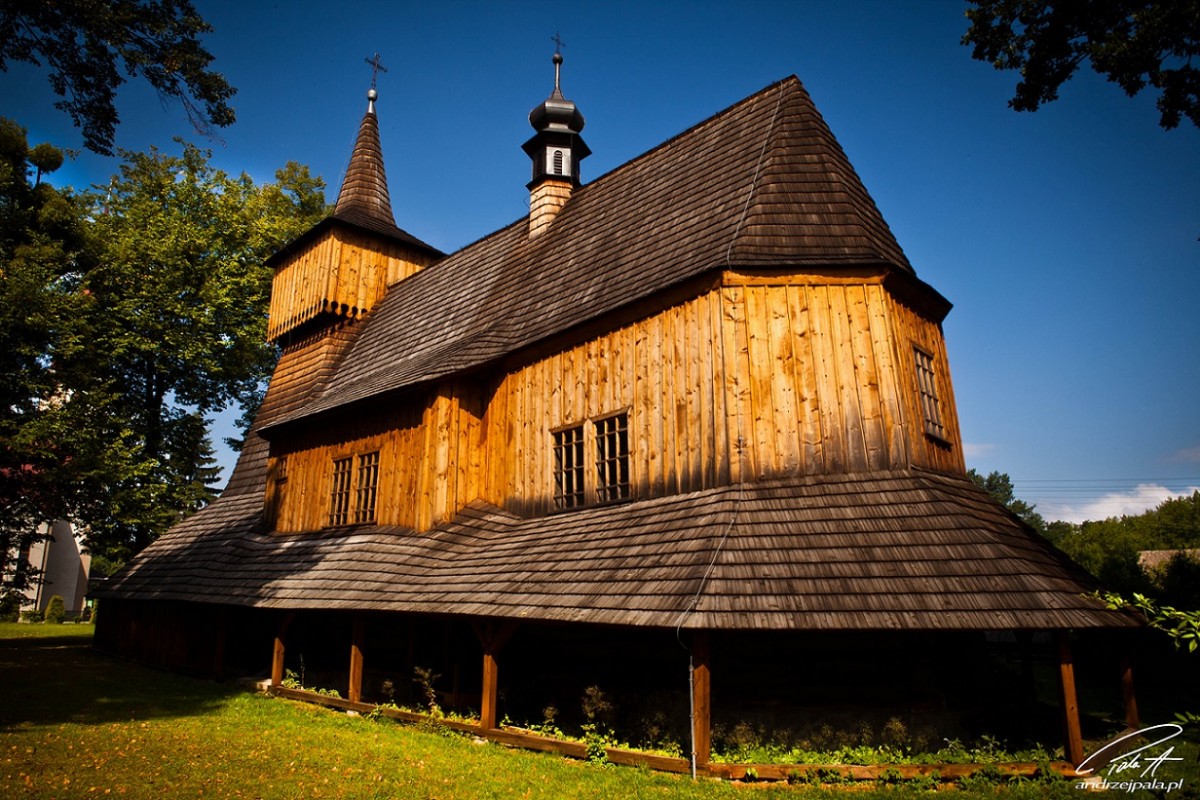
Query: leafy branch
{"type": "Point", "coordinates": [1182, 626]}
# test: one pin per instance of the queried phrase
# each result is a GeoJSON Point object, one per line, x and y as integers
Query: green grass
{"type": "Point", "coordinates": [78, 724]}
{"type": "Point", "coordinates": [39, 630]}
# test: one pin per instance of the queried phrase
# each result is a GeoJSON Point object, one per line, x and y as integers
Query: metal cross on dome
{"type": "Point", "coordinates": [376, 68]}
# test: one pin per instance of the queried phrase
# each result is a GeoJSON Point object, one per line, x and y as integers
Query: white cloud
{"type": "Point", "coordinates": [1142, 498]}
{"type": "Point", "coordinates": [973, 450]}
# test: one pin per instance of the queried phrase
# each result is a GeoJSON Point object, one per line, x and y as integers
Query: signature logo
{"type": "Point", "coordinates": [1137, 768]}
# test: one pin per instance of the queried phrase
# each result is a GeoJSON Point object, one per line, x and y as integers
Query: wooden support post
{"type": "Point", "coordinates": [701, 699]}
{"type": "Point", "coordinates": [1132, 719]}
{"type": "Point", "coordinates": [493, 637]}
{"type": "Point", "coordinates": [277, 657]}
{"type": "Point", "coordinates": [1073, 743]}
{"type": "Point", "coordinates": [356, 659]}
{"type": "Point", "coordinates": [491, 691]}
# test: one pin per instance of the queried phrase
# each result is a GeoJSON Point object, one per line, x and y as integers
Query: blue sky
{"type": "Point", "coordinates": [1067, 239]}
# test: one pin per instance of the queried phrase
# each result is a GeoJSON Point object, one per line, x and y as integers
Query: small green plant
{"type": "Point", "coordinates": [424, 678]}
{"type": "Point", "coordinates": [56, 610]}
{"type": "Point", "coordinates": [32, 615]}
{"type": "Point", "coordinates": [985, 778]}
{"type": "Point", "coordinates": [597, 733]}
{"type": "Point", "coordinates": [889, 777]}
{"type": "Point", "coordinates": [830, 776]}
{"type": "Point", "coordinates": [751, 775]}
{"type": "Point", "coordinates": [549, 724]}
{"type": "Point", "coordinates": [291, 680]}
{"type": "Point", "coordinates": [925, 783]}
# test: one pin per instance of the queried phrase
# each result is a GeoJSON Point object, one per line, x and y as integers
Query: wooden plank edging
{"type": "Point", "coordinates": [767, 772]}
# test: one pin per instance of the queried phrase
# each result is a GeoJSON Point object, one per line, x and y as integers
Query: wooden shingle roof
{"type": "Point", "coordinates": [898, 550]}
{"type": "Point", "coordinates": [763, 183]}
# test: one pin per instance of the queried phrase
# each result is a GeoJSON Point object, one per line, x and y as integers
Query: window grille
{"type": "Point", "coordinates": [568, 468]}
{"type": "Point", "coordinates": [367, 487]}
{"type": "Point", "coordinates": [558, 162]}
{"type": "Point", "coordinates": [612, 458]}
{"type": "Point", "coordinates": [927, 386]}
{"type": "Point", "coordinates": [339, 496]}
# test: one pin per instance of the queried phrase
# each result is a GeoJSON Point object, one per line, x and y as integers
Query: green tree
{"type": "Point", "coordinates": [174, 324]}
{"type": "Point", "coordinates": [42, 254]}
{"type": "Point", "coordinates": [87, 44]}
{"type": "Point", "coordinates": [1133, 43]}
{"type": "Point", "coordinates": [1110, 549]}
{"type": "Point", "coordinates": [1000, 487]}
{"type": "Point", "coordinates": [127, 317]}
{"type": "Point", "coordinates": [56, 610]}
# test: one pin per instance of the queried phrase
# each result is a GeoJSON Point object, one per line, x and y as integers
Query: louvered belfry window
{"type": "Point", "coordinates": [612, 458]}
{"type": "Point", "coordinates": [339, 495]}
{"type": "Point", "coordinates": [927, 386]}
{"type": "Point", "coordinates": [367, 487]}
{"type": "Point", "coordinates": [568, 467]}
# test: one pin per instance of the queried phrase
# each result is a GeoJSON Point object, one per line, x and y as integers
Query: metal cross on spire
{"type": "Point", "coordinates": [558, 43]}
{"type": "Point", "coordinates": [376, 68]}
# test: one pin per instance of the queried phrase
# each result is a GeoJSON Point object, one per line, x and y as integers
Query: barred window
{"type": "Point", "coordinates": [568, 467]}
{"type": "Point", "coordinates": [927, 386]}
{"type": "Point", "coordinates": [339, 496]}
{"type": "Point", "coordinates": [612, 458]}
{"type": "Point", "coordinates": [367, 485]}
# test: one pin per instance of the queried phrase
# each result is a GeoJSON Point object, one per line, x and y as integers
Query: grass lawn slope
{"type": "Point", "coordinates": [78, 724]}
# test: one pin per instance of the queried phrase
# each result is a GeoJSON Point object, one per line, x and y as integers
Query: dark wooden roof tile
{"type": "Point", "coordinates": [783, 555]}
{"type": "Point", "coordinates": [763, 183]}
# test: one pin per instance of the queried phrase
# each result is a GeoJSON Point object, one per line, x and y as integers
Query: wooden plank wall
{"type": "Point", "coordinates": [763, 377]}
{"type": "Point", "coordinates": [430, 460]}
{"type": "Point", "coordinates": [342, 272]}
{"type": "Point", "coordinates": [760, 377]}
{"type": "Point", "coordinates": [910, 329]}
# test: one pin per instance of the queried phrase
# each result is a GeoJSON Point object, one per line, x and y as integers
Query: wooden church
{"type": "Point", "coordinates": [692, 418]}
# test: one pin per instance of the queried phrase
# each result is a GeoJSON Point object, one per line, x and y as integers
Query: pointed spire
{"type": "Point", "coordinates": [364, 190]}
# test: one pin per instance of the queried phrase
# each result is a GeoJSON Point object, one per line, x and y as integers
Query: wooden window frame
{"type": "Point", "coordinates": [277, 489]}
{"type": "Point", "coordinates": [354, 489]}
{"type": "Point", "coordinates": [366, 489]}
{"type": "Point", "coordinates": [341, 491]}
{"type": "Point", "coordinates": [613, 483]}
{"type": "Point", "coordinates": [569, 471]}
{"type": "Point", "coordinates": [600, 464]}
{"type": "Point", "coordinates": [928, 397]}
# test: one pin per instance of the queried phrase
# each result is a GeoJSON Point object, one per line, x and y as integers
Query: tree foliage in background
{"type": "Point", "coordinates": [1110, 548]}
{"type": "Point", "coordinates": [1000, 487]}
{"type": "Point", "coordinates": [91, 46]}
{"type": "Point", "coordinates": [127, 317]}
{"type": "Point", "coordinates": [1133, 43]}
{"type": "Point", "coordinates": [43, 251]}
{"type": "Point", "coordinates": [175, 324]}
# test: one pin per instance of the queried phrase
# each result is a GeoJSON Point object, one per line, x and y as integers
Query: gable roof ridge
{"type": "Point", "coordinates": [799, 197]}
{"type": "Point", "coordinates": [716, 117]}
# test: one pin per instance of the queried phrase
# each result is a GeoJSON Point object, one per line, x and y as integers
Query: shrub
{"type": "Point", "coordinates": [32, 615]}
{"type": "Point", "coordinates": [10, 607]}
{"type": "Point", "coordinates": [56, 611]}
